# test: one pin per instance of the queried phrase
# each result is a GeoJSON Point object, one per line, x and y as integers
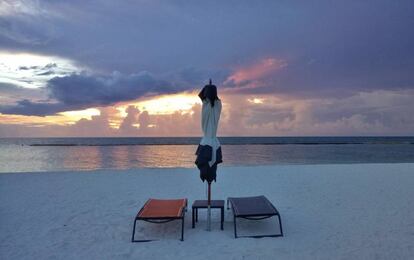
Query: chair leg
{"type": "Point", "coordinates": [280, 224]}
{"type": "Point", "coordinates": [235, 229]}
{"type": "Point", "coordinates": [222, 217]}
{"type": "Point", "coordinates": [133, 231]}
{"type": "Point", "coordinates": [182, 229]}
{"type": "Point", "coordinates": [192, 218]}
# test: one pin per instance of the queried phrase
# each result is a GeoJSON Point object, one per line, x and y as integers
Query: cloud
{"type": "Point", "coordinates": [29, 108]}
{"type": "Point", "coordinates": [128, 125]}
{"type": "Point", "coordinates": [190, 77]}
{"type": "Point", "coordinates": [366, 113]}
{"type": "Point", "coordinates": [141, 123]}
{"type": "Point", "coordinates": [82, 90]}
{"type": "Point", "coordinates": [98, 125]}
{"type": "Point", "coordinates": [25, 23]}
{"type": "Point", "coordinates": [327, 45]}
{"type": "Point", "coordinates": [48, 69]}
{"type": "Point", "coordinates": [79, 91]}
{"type": "Point", "coordinates": [257, 71]}
{"type": "Point", "coordinates": [33, 70]}
{"type": "Point", "coordinates": [330, 48]}
{"type": "Point", "coordinates": [11, 94]}
{"type": "Point", "coordinates": [329, 61]}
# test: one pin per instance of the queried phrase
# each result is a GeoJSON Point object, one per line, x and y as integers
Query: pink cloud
{"type": "Point", "coordinates": [256, 71]}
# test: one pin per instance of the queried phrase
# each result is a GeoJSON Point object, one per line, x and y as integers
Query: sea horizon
{"type": "Point", "coordinates": [225, 140]}
{"type": "Point", "coordinates": [95, 153]}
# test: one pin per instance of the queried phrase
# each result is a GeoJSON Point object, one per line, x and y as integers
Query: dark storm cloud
{"type": "Point", "coordinates": [10, 93]}
{"type": "Point", "coordinates": [25, 101]}
{"type": "Point", "coordinates": [81, 89]}
{"type": "Point", "coordinates": [29, 108]}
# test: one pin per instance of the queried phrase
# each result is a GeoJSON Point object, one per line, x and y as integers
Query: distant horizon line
{"type": "Point", "coordinates": [225, 136]}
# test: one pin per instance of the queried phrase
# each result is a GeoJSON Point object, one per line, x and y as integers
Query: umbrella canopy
{"type": "Point", "coordinates": [209, 150]}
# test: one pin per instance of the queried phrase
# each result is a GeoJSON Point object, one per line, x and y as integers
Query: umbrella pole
{"type": "Point", "coordinates": [209, 207]}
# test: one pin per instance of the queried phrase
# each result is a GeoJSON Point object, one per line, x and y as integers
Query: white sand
{"type": "Point", "coordinates": [363, 211]}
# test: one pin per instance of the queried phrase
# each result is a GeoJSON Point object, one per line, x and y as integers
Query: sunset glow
{"type": "Point", "coordinates": [36, 120]}
{"type": "Point", "coordinates": [63, 118]}
{"type": "Point", "coordinates": [79, 114]}
{"type": "Point", "coordinates": [256, 100]}
{"type": "Point", "coordinates": [164, 105]}
{"type": "Point", "coordinates": [169, 104]}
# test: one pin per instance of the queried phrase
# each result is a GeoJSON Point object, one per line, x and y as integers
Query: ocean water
{"type": "Point", "coordinates": [82, 154]}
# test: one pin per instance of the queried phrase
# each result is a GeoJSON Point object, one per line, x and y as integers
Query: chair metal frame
{"type": "Point", "coordinates": [256, 217]}
{"type": "Point", "coordinates": [159, 220]}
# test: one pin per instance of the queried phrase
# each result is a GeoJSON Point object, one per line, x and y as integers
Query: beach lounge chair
{"type": "Point", "coordinates": [254, 208]}
{"type": "Point", "coordinates": [160, 211]}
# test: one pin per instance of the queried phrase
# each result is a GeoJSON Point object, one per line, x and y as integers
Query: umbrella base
{"type": "Point", "coordinates": [208, 218]}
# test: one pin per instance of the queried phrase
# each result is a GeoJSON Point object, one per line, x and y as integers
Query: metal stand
{"type": "Point", "coordinates": [209, 207]}
{"type": "Point", "coordinates": [202, 204]}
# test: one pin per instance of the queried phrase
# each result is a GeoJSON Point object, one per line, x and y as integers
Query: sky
{"type": "Point", "coordinates": [134, 68]}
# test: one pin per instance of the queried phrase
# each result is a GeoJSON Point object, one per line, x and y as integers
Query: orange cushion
{"type": "Point", "coordinates": [155, 208]}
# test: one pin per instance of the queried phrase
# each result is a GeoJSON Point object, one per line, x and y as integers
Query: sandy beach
{"type": "Point", "coordinates": [358, 211]}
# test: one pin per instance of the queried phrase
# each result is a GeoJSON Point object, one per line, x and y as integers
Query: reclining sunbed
{"type": "Point", "coordinates": [161, 211]}
{"type": "Point", "coordinates": [254, 208]}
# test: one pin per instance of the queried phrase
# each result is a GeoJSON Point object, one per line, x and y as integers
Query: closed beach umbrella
{"type": "Point", "coordinates": [209, 150]}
